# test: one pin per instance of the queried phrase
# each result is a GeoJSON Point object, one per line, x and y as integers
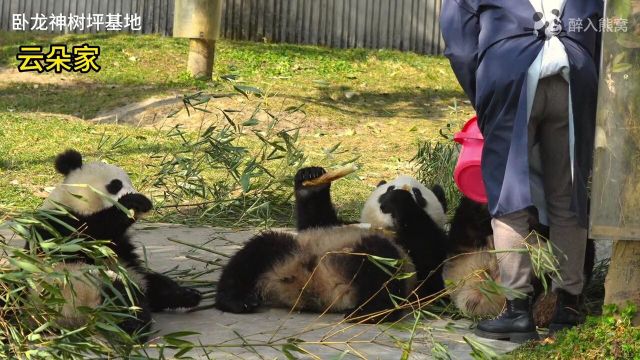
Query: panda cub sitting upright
{"type": "Point", "coordinates": [473, 264]}
{"type": "Point", "coordinates": [89, 193]}
{"type": "Point", "coordinates": [327, 266]}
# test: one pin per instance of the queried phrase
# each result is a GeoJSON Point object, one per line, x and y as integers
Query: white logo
{"type": "Point", "coordinates": [547, 28]}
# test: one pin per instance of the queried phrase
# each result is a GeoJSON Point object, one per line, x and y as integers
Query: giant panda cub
{"type": "Point", "coordinates": [89, 193]}
{"type": "Point", "coordinates": [471, 264]}
{"type": "Point", "coordinates": [328, 266]}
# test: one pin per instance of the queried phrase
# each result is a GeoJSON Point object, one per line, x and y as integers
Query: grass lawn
{"type": "Point", "coordinates": [610, 336]}
{"type": "Point", "coordinates": [341, 85]}
{"type": "Point", "coordinates": [376, 106]}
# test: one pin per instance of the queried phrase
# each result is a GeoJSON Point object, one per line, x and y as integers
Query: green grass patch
{"type": "Point", "coordinates": [610, 336]}
{"type": "Point", "coordinates": [221, 175]}
{"type": "Point", "coordinates": [132, 69]}
{"type": "Point", "coordinates": [342, 85]}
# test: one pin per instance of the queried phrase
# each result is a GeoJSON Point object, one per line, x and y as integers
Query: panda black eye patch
{"type": "Point", "coordinates": [114, 186]}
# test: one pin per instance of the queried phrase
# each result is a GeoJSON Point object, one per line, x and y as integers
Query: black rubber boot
{"type": "Point", "coordinates": [514, 324]}
{"type": "Point", "coordinates": [567, 313]}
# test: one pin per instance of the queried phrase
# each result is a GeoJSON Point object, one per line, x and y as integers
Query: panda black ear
{"type": "Point", "coordinates": [555, 12]}
{"type": "Point", "coordinates": [537, 16]}
{"type": "Point", "coordinates": [438, 191]}
{"type": "Point", "coordinates": [381, 183]}
{"type": "Point", "coordinates": [68, 161]}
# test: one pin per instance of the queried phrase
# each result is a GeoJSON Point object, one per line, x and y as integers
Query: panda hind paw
{"type": "Point", "coordinates": [237, 306]}
{"type": "Point", "coordinates": [307, 173]}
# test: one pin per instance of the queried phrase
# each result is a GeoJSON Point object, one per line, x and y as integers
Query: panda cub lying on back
{"type": "Point", "coordinates": [95, 216]}
{"type": "Point", "coordinates": [325, 267]}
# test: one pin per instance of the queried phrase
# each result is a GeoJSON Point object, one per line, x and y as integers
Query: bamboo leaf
{"type": "Point", "coordinates": [26, 266]}
{"type": "Point", "coordinates": [246, 90]}
{"type": "Point", "coordinates": [251, 122]}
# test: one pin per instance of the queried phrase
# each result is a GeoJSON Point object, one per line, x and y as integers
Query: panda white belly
{"type": "Point", "coordinates": [297, 285]}
{"type": "Point", "coordinates": [467, 276]}
{"type": "Point", "coordinates": [81, 287]}
{"type": "Point", "coordinates": [316, 276]}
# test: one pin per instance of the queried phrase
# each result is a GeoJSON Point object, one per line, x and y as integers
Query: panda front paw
{"type": "Point", "coordinates": [308, 173]}
{"type": "Point", "coordinates": [395, 200]}
{"type": "Point", "coordinates": [136, 202]}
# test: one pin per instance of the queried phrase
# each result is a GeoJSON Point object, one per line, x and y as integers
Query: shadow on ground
{"type": "Point", "coordinates": [412, 103]}
{"type": "Point", "coordinates": [83, 100]}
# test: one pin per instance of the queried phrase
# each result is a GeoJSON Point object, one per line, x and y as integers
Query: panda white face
{"type": "Point", "coordinates": [88, 188]}
{"type": "Point", "coordinates": [373, 215]}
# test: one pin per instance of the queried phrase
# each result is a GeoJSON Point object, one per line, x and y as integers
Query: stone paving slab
{"type": "Point", "coordinates": [325, 335]}
{"type": "Point", "coordinates": [262, 335]}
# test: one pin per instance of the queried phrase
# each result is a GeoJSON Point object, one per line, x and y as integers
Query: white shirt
{"type": "Point", "coordinates": [554, 55]}
{"type": "Point", "coordinates": [551, 60]}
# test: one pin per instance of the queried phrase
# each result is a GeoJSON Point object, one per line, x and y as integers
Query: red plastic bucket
{"type": "Point", "coordinates": [467, 174]}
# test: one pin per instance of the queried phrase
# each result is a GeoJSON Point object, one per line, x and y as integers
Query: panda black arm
{"type": "Point", "coordinates": [421, 237]}
{"type": "Point", "coordinates": [375, 288]}
{"type": "Point", "coordinates": [313, 203]}
{"type": "Point", "coordinates": [63, 227]}
{"type": "Point", "coordinates": [108, 224]}
{"type": "Point", "coordinates": [470, 227]}
{"type": "Point", "coordinates": [237, 288]}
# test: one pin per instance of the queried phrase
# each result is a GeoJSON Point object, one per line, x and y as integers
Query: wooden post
{"type": "Point", "coordinates": [622, 284]}
{"type": "Point", "coordinates": [201, 58]}
{"type": "Point", "coordinates": [199, 21]}
{"type": "Point", "coordinates": [615, 208]}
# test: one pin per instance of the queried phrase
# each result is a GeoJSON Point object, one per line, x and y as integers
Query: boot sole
{"type": "Point", "coordinates": [515, 337]}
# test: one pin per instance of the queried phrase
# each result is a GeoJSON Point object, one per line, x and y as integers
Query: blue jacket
{"type": "Point", "coordinates": [491, 45]}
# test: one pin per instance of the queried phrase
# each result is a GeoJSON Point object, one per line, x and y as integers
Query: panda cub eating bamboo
{"type": "Point", "coordinates": [330, 266]}
{"type": "Point", "coordinates": [97, 197]}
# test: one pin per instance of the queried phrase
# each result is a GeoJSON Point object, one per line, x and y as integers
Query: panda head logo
{"type": "Point", "coordinates": [547, 27]}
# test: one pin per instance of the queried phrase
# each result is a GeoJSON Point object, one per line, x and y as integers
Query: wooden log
{"type": "Point", "coordinates": [622, 284]}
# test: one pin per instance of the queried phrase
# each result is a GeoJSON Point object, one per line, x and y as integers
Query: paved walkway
{"type": "Point", "coordinates": [263, 335]}
{"type": "Point", "coordinates": [266, 332]}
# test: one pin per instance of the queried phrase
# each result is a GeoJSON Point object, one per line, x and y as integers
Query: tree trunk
{"type": "Point", "coordinates": [622, 284]}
